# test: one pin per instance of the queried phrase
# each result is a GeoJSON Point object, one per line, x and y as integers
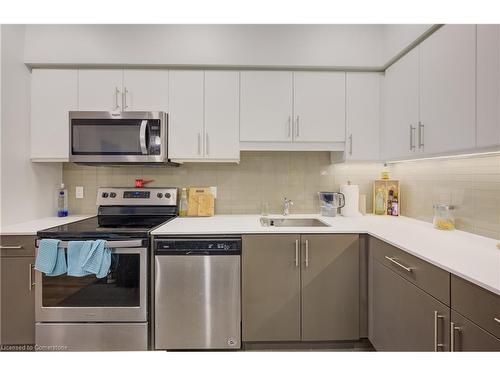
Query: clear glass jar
{"type": "Point", "coordinates": [443, 217]}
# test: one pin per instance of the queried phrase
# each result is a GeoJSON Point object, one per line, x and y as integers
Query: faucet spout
{"type": "Point", "coordinates": [286, 206]}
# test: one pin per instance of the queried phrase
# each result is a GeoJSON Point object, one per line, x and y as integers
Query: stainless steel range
{"type": "Point", "coordinates": [86, 313]}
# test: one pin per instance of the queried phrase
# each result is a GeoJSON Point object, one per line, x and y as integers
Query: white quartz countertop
{"type": "Point", "coordinates": [29, 228]}
{"type": "Point", "coordinates": [472, 257]}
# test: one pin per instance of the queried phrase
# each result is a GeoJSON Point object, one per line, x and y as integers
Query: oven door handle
{"type": "Point", "coordinates": [142, 137]}
{"type": "Point", "coordinates": [110, 244]}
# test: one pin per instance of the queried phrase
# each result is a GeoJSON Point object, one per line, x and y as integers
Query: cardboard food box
{"type": "Point", "coordinates": [201, 201]}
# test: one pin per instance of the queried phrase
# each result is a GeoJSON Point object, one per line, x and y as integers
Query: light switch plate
{"type": "Point", "coordinates": [79, 192]}
{"type": "Point", "coordinates": [214, 191]}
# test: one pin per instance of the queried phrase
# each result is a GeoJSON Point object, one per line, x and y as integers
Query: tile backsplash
{"type": "Point", "coordinates": [472, 185]}
{"type": "Point", "coordinates": [241, 188]}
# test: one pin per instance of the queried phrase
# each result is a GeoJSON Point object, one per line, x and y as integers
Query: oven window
{"type": "Point", "coordinates": [119, 289]}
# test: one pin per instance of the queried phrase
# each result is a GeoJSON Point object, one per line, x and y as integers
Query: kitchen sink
{"type": "Point", "coordinates": [292, 222]}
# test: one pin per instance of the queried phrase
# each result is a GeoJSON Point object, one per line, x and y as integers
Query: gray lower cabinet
{"type": "Point", "coordinates": [477, 304]}
{"type": "Point", "coordinates": [330, 287]}
{"type": "Point", "coordinates": [17, 290]}
{"type": "Point", "coordinates": [467, 336]}
{"type": "Point", "coordinates": [300, 287]}
{"type": "Point", "coordinates": [270, 288]}
{"type": "Point", "coordinates": [402, 316]}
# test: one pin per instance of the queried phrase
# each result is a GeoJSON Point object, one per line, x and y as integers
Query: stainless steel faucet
{"type": "Point", "coordinates": [286, 206]}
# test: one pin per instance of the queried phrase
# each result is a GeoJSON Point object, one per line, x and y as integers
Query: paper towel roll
{"type": "Point", "coordinates": [351, 193]}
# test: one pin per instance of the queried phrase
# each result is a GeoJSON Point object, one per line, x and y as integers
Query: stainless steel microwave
{"type": "Point", "coordinates": [118, 137]}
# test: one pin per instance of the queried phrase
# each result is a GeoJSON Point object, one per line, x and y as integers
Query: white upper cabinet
{"type": "Point", "coordinates": [400, 114]}
{"type": "Point", "coordinates": [186, 114]}
{"type": "Point", "coordinates": [123, 90]}
{"type": "Point", "coordinates": [204, 116]}
{"type": "Point", "coordinates": [362, 116]}
{"type": "Point", "coordinates": [100, 90]}
{"type": "Point", "coordinates": [145, 90]}
{"type": "Point", "coordinates": [488, 85]}
{"type": "Point", "coordinates": [54, 92]}
{"type": "Point", "coordinates": [222, 113]}
{"type": "Point", "coordinates": [266, 106]}
{"type": "Point", "coordinates": [319, 107]}
{"type": "Point", "coordinates": [448, 90]}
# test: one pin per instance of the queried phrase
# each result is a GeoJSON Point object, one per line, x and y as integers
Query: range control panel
{"type": "Point", "coordinates": [109, 196]}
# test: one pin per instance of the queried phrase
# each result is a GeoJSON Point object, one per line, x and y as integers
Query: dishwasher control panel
{"type": "Point", "coordinates": [198, 246]}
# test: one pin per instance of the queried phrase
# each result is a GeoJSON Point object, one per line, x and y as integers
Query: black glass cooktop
{"type": "Point", "coordinates": [106, 227]}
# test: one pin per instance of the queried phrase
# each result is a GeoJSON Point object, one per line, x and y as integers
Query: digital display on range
{"type": "Point", "coordinates": [136, 194]}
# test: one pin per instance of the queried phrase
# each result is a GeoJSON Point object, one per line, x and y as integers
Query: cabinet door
{"type": "Point", "coordinates": [54, 92]}
{"type": "Point", "coordinates": [271, 288]}
{"type": "Point", "coordinates": [222, 114]}
{"type": "Point", "coordinates": [488, 85]}
{"type": "Point", "coordinates": [468, 336]}
{"type": "Point", "coordinates": [100, 90]}
{"type": "Point", "coordinates": [186, 113]}
{"type": "Point", "coordinates": [401, 107]}
{"type": "Point", "coordinates": [448, 90]}
{"type": "Point", "coordinates": [403, 316]}
{"type": "Point", "coordinates": [330, 287]}
{"type": "Point", "coordinates": [145, 90]}
{"type": "Point", "coordinates": [18, 301]}
{"type": "Point", "coordinates": [319, 107]}
{"type": "Point", "coordinates": [362, 116]}
{"type": "Point", "coordinates": [266, 106]}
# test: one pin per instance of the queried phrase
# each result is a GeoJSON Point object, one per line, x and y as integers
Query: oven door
{"type": "Point", "coordinates": [117, 137]}
{"type": "Point", "coordinates": [118, 297]}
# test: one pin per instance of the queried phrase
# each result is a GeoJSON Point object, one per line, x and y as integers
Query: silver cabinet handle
{"type": "Point", "coordinates": [199, 144]}
{"type": "Point", "coordinates": [117, 92]}
{"type": "Point", "coordinates": [420, 135]}
{"type": "Point", "coordinates": [296, 253]}
{"type": "Point", "coordinates": [412, 133]}
{"type": "Point", "coordinates": [350, 144]}
{"type": "Point", "coordinates": [307, 253]}
{"type": "Point", "coordinates": [437, 345]}
{"type": "Point", "coordinates": [12, 247]}
{"type": "Point", "coordinates": [124, 98]}
{"type": "Point", "coordinates": [297, 126]}
{"type": "Point", "coordinates": [496, 320]}
{"type": "Point", "coordinates": [408, 269]}
{"type": "Point", "coordinates": [453, 328]}
{"type": "Point", "coordinates": [206, 144]}
{"type": "Point", "coordinates": [31, 283]}
{"type": "Point", "coordinates": [289, 127]}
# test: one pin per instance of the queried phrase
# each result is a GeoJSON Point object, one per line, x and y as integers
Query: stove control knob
{"type": "Point", "coordinates": [104, 195]}
{"type": "Point", "coordinates": [167, 195]}
{"type": "Point", "coordinates": [112, 195]}
{"type": "Point", "coordinates": [159, 195]}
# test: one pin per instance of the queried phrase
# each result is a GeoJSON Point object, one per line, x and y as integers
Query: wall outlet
{"type": "Point", "coordinates": [79, 192]}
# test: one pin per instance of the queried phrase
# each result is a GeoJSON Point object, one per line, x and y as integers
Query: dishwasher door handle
{"type": "Point", "coordinates": [194, 252]}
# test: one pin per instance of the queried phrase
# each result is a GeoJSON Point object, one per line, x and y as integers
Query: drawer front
{"type": "Point", "coordinates": [476, 304]}
{"type": "Point", "coordinates": [430, 278]}
{"type": "Point", "coordinates": [17, 245]}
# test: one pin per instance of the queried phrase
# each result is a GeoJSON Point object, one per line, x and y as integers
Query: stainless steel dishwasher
{"type": "Point", "coordinates": [197, 293]}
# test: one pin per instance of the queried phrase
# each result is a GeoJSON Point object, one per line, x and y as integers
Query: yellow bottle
{"type": "Point", "coordinates": [183, 204]}
{"type": "Point", "coordinates": [379, 202]}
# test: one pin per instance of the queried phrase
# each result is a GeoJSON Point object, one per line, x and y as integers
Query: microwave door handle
{"type": "Point", "coordinates": [142, 137]}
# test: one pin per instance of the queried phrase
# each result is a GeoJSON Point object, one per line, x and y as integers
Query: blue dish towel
{"type": "Point", "coordinates": [78, 251]}
{"type": "Point", "coordinates": [50, 258]}
{"type": "Point", "coordinates": [98, 259]}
